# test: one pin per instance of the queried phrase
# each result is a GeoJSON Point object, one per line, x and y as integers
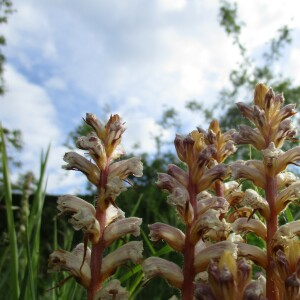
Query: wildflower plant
{"type": "Point", "coordinates": [102, 224]}
{"type": "Point", "coordinates": [217, 215]}
{"type": "Point", "coordinates": [218, 204]}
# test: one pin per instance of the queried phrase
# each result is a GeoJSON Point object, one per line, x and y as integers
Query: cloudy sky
{"type": "Point", "coordinates": [66, 58]}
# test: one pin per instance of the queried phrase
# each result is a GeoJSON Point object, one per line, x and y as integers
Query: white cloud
{"type": "Point", "coordinates": [26, 106]}
{"type": "Point", "coordinates": [136, 56]}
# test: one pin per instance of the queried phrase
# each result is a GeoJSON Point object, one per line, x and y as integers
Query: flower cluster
{"type": "Point", "coordinates": [217, 215]}
{"type": "Point", "coordinates": [216, 209]}
{"type": "Point", "coordinates": [105, 223]}
{"type": "Point", "coordinates": [272, 126]}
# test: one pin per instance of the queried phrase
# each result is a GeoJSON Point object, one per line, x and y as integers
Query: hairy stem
{"type": "Point", "coordinates": [189, 253]}
{"type": "Point", "coordinates": [98, 248]}
{"type": "Point", "coordinates": [272, 226]}
{"type": "Point", "coordinates": [96, 260]}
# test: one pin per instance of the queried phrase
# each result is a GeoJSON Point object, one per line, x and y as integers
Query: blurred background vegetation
{"type": "Point", "coordinates": [29, 229]}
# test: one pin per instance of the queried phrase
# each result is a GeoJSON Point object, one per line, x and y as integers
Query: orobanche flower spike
{"type": "Point", "coordinates": [198, 195]}
{"type": "Point", "coordinates": [272, 127]}
{"type": "Point", "coordinates": [217, 215]}
{"type": "Point", "coordinates": [105, 223]}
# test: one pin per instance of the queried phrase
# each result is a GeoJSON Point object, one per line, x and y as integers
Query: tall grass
{"type": "Point", "coordinates": [20, 257]}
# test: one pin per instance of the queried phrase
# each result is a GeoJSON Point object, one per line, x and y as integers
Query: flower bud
{"type": "Point", "coordinates": [246, 110]}
{"type": "Point", "coordinates": [95, 147]}
{"type": "Point", "coordinates": [292, 287]}
{"type": "Point", "coordinates": [114, 130]}
{"type": "Point", "coordinates": [259, 95]}
{"type": "Point", "coordinates": [94, 122]}
{"type": "Point", "coordinates": [256, 289]}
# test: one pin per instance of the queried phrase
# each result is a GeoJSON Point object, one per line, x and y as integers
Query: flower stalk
{"type": "Point", "coordinates": [100, 224]}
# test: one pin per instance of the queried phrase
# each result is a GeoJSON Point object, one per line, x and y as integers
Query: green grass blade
{"type": "Point", "coordinates": [130, 273]}
{"type": "Point", "coordinates": [136, 206]}
{"type": "Point", "coordinates": [289, 215]}
{"type": "Point", "coordinates": [135, 284]}
{"type": "Point", "coordinates": [149, 244]}
{"type": "Point", "coordinates": [14, 264]}
{"type": "Point", "coordinates": [33, 232]}
{"type": "Point", "coordinates": [30, 268]}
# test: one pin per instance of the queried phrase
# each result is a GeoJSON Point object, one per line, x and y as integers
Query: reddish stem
{"type": "Point", "coordinates": [98, 248]}
{"type": "Point", "coordinates": [272, 226]}
{"type": "Point", "coordinates": [96, 260]}
{"type": "Point", "coordinates": [188, 287]}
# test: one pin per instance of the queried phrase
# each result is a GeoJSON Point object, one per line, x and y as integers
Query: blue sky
{"type": "Point", "coordinates": [66, 58]}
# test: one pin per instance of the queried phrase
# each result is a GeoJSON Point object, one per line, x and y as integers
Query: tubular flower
{"type": "Point", "coordinates": [251, 170]}
{"type": "Point", "coordinates": [180, 200]}
{"type": "Point", "coordinates": [209, 224]}
{"type": "Point", "coordinates": [230, 186]}
{"type": "Point", "coordinates": [120, 228]}
{"type": "Point", "coordinates": [285, 179]}
{"type": "Point", "coordinates": [79, 163]}
{"type": "Point", "coordinates": [287, 195]}
{"type": "Point", "coordinates": [82, 215]}
{"type": "Point", "coordinates": [217, 172]}
{"type": "Point", "coordinates": [112, 291]}
{"type": "Point", "coordinates": [256, 202]}
{"type": "Point", "coordinates": [156, 266]}
{"type": "Point", "coordinates": [245, 225]}
{"type": "Point", "coordinates": [248, 135]}
{"type": "Point", "coordinates": [174, 237]}
{"type": "Point", "coordinates": [124, 168]}
{"type": "Point", "coordinates": [178, 174]}
{"type": "Point", "coordinates": [213, 251]}
{"type": "Point", "coordinates": [218, 203]}
{"type": "Point", "coordinates": [75, 262]}
{"type": "Point", "coordinates": [130, 251]}
{"type": "Point", "coordinates": [253, 253]}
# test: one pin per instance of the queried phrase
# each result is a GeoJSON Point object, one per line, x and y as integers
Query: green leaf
{"type": "Point", "coordinates": [14, 264]}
